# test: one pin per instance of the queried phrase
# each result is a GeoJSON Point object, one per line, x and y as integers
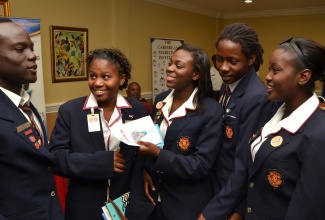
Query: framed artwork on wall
{"type": "Point", "coordinates": [5, 10]}
{"type": "Point", "coordinates": [69, 47]}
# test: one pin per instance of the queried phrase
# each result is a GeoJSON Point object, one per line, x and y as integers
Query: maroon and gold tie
{"type": "Point", "coordinates": [226, 97]}
{"type": "Point", "coordinates": [39, 142]}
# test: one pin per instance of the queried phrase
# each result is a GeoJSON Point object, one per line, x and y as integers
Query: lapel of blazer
{"type": "Point", "coordinates": [177, 125]}
{"type": "Point", "coordinates": [242, 85]}
{"type": "Point", "coordinates": [10, 112]}
{"type": "Point", "coordinates": [266, 149]}
{"type": "Point", "coordinates": [96, 136]}
{"type": "Point", "coordinates": [44, 150]}
{"type": "Point", "coordinates": [239, 90]}
{"type": "Point", "coordinates": [19, 120]}
{"type": "Point", "coordinates": [126, 112]}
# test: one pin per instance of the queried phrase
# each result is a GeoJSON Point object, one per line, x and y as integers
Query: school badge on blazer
{"type": "Point", "coordinates": [275, 178]}
{"type": "Point", "coordinates": [184, 143]}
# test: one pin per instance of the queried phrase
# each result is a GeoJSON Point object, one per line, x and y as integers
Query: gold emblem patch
{"type": "Point", "coordinates": [275, 178]}
{"type": "Point", "coordinates": [229, 131]}
{"type": "Point", "coordinates": [184, 143]}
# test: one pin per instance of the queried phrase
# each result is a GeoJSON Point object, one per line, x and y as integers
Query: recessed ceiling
{"type": "Point", "coordinates": [238, 8]}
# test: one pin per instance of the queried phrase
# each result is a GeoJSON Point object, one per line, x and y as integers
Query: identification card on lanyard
{"type": "Point", "coordinates": [93, 121]}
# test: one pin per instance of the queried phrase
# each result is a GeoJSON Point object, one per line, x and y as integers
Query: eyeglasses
{"type": "Point", "coordinates": [298, 51]}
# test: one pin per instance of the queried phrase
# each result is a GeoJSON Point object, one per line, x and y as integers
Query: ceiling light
{"type": "Point", "coordinates": [248, 1]}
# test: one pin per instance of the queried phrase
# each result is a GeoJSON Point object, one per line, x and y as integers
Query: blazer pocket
{"type": "Point", "coordinates": [27, 213]}
{"type": "Point", "coordinates": [282, 164]}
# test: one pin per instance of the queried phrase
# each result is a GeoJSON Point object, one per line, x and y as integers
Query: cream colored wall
{"type": "Point", "coordinates": [125, 24]}
{"type": "Point", "coordinates": [153, 20]}
{"type": "Point", "coordinates": [129, 24]}
{"type": "Point", "coordinates": [274, 30]}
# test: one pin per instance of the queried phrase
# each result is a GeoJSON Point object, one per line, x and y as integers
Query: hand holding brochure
{"type": "Point", "coordinates": [140, 129]}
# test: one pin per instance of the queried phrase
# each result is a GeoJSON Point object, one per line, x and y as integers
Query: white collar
{"type": "Point", "coordinates": [91, 102]}
{"type": "Point", "coordinates": [16, 99]}
{"type": "Point", "coordinates": [295, 120]}
{"type": "Point", "coordinates": [181, 111]}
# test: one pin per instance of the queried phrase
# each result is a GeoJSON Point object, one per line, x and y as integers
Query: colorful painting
{"type": "Point", "coordinates": [69, 50]}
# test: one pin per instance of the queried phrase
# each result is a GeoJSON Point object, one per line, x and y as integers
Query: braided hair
{"type": "Point", "coordinates": [245, 36]}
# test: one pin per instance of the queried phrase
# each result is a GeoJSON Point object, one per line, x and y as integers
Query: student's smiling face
{"type": "Point", "coordinates": [104, 80]}
{"type": "Point", "coordinates": [180, 71]}
{"type": "Point", "coordinates": [282, 78]}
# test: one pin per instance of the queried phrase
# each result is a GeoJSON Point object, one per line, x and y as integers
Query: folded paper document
{"type": "Point", "coordinates": [140, 129]}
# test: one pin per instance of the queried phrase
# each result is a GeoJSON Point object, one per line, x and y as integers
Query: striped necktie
{"type": "Point", "coordinates": [39, 142]}
{"type": "Point", "coordinates": [226, 97]}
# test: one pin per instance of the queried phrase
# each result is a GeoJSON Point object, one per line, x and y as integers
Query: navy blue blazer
{"type": "Point", "coordinates": [247, 110]}
{"type": "Point", "coordinates": [296, 170]}
{"type": "Point", "coordinates": [81, 156]}
{"type": "Point", "coordinates": [27, 185]}
{"type": "Point", "coordinates": [182, 177]}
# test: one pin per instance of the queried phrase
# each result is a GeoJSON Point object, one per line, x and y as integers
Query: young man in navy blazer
{"type": "Point", "coordinates": [27, 186]}
{"type": "Point", "coordinates": [238, 57]}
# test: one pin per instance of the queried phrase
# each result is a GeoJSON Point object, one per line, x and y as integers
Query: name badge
{"type": "Point", "coordinates": [22, 127]}
{"type": "Point", "coordinates": [93, 122]}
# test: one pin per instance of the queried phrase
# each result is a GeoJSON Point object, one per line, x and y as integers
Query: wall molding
{"type": "Point", "coordinates": [52, 107]}
{"type": "Point", "coordinates": [251, 14]}
{"type": "Point", "coordinates": [272, 13]}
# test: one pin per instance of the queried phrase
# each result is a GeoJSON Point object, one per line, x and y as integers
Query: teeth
{"type": "Point", "coordinates": [100, 91]}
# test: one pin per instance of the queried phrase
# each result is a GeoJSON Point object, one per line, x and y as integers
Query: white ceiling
{"type": "Point", "coordinates": [238, 8]}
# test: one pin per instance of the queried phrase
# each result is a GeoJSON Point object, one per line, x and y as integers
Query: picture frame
{"type": "Point", "coordinates": [69, 47]}
{"type": "Point", "coordinates": [5, 8]}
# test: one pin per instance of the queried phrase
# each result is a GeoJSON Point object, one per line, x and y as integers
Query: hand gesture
{"type": "Point", "coordinates": [201, 217]}
{"type": "Point", "coordinates": [148, 184]}
{"type": "Point", "coordinates": [235, 216]}
{"type": "Point", "coordinates": [119, 162]}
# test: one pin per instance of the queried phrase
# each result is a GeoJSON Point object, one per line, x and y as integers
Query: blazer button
{"type": "Point", "coordinates": [249, 210]}
{"type": "Point", "coordinates": [251, 184]}
{"type": "Point", "coordinates": [49, 168]}
{"type": "Point", "coordinates": [53, 193]}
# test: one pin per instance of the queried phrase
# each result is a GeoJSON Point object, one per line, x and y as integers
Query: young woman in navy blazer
{"type": "Point", "coordinates": [178, 176]}
{"type": "Point", "coordinates": [97, 164]}
{"type": "Point", "coordinates": [287, 165]}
